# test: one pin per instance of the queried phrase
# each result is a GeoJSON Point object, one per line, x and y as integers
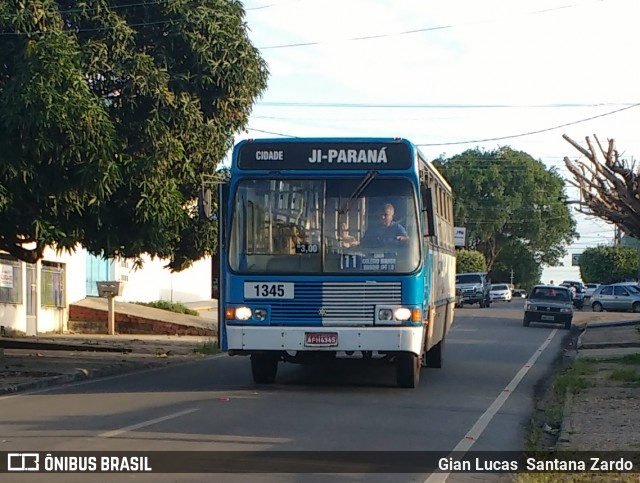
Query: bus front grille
{"type": "Point", "coordinates": [335, 303]}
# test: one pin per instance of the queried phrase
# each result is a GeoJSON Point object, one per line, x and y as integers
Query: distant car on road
{"type": "Point", "coordinates": [548, 303]}
{"type": "Point", "coordinates": [475, 288]}
{"type": "Point", "coordinates": [500, 292]}
{"type": "Point", "coordinates": [616, 297]}
{"type": "Point", "coordinates": [518, 292]}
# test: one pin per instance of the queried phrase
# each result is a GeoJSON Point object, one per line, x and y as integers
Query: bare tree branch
{"type": "Point", "coordinates": [610, 189]}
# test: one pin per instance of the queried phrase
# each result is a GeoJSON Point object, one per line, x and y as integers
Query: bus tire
{"type": "Point", "coordinates": [407, 370]}
{"type": "Point", "coordinates": [434, 355]}
{"type": "Point", "coordinates": [264, 368]}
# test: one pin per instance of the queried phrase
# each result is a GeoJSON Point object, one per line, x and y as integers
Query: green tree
{"type": "Point", "coordinates": [606, 264]}
{"type": "Point", "coordinates": [112, 112]}
{"type": "Point", "coordinates": [506, 197]}
{"type": "Point", "coordinates": [526, 270]}
{"type": "Point", "coordinates": [470, 261]}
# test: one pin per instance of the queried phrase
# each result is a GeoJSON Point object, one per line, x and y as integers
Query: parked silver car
{"type": "Point", "coordinates": [616, 297]}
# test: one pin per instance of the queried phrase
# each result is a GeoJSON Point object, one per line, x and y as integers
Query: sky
{"type": "Point", "coordinates": [455, 75]}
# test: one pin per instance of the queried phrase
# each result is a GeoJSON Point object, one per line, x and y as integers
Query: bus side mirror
{"type": "Point", "coordinates": [427, 207]}
{"type": "Point", "coordinates": [205, 210]}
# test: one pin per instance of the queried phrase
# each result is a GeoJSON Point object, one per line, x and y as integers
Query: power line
{"type": "Point", "coordinates": [262, 7]}
{"type": "Point", "coordinates": [512, 136]}
{"type": "Point", "coordinates": [271, 132]}
{"type": "Point", "coordinates": [437, 105]}
{"type": "Point", "coordinates": [409, 32]}
{"type": "Point", "coordinates": [500, 138]}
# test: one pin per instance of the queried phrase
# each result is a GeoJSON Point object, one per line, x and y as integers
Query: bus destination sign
{"type": "Point", "coordinates": [324, 155]}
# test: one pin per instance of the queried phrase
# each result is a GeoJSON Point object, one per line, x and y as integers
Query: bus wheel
{"type": "Point", "coordinates": [264, 368]}
{"type": "Point", "coordinates": [434, 355]}
{"type": "Point", "coordinates": [407, 370]}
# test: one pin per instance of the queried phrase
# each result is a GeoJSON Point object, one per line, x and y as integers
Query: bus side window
{"type": "Point", "coordinates": [427, 211]}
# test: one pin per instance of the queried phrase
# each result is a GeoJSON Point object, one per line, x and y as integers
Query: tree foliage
{"type": "Point", "coordinates": [470, 261]}
{"type": "Point", "coordinates": [526, 270]}
{"type": "Point", "coordinates": [608, 264]}
{"type": "Point", "coordinates": [609, 185]}
{"type": "Point", "coordinates": [505, 197]}
{"type": "Point", "coordinates": [112, 112]}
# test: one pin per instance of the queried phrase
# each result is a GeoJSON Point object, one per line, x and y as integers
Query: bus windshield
{"type": "Point", "coordinates": [330, 225]}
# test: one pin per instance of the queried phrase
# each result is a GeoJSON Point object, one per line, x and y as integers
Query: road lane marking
{"type": "Point", "coordinates": [483, 421]}
{"type": "Point", "coordinates": [144, 424]}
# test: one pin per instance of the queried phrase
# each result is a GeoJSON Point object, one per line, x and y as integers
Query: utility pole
{"type": "Point", "coordinates": [512, 276]}
{"type": "Point", "coordinates": [617, 236]}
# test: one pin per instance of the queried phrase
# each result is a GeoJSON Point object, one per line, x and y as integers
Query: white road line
{"type": "Point", "coordinates": [116, 432]}
{"type": "Point", "coordinates": [483, 421]}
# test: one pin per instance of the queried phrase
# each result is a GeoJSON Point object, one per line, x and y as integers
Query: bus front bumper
{"type": "Point", "coordinates": [247, 339]}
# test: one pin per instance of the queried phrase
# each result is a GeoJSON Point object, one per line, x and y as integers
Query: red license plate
{"type": "Point", "coordinates": [320, 339]}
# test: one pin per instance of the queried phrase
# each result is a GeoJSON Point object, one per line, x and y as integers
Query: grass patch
{"type": "Point", "coordinates": [572, 380]}
{"type": "Point", "coordinates": [625, 375]}
{"type": "Point", "coordinates": [576, 478]}
{"type": "Point", "coordinates": [208, 348]}
{"type": "Point", "coordinates": [170, 306]}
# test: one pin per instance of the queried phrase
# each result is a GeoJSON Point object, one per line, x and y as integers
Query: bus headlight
{"type": "Point", "coordinates": [260, 314]}
{"type": "Point", "coordinates": [402, 314]}
{"type": "Point", "coordinates": [385, 314]}
{"type": "Point", "coordinates": [243, 313]}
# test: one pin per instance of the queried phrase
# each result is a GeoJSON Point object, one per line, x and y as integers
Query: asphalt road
{"type": "Point", "coordinates": [481, 400]}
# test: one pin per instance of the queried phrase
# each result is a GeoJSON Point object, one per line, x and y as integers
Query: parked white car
{"type": "Point", "coordinates": [589, 289]}
{"type": "Point", "coordinates": [500, 292]}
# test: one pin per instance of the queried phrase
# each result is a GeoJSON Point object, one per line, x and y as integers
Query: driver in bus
{"type": "Point", "coordinates": [387, 231]}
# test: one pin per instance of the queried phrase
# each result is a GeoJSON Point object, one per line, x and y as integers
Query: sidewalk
{"type": "Point", "coordinates": [89, 316]}
{"type": "Point", "coordinates": [606, 413]}
{"type": "Point", "coordinates": [63, 359]}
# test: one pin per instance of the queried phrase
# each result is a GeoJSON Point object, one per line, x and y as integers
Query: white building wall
{"type": "Point", "coordinates": [565, 271]}
{"type": "Point", "coordinates": [150, 283]}
{"type": "Point", "coordinates": [154, 282]}
{"type": "Point", "coordinates": [13, 317]}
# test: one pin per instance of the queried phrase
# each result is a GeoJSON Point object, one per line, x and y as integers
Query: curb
{"type": "Point", "coordinates": [618, 323]}
{"type": "Point", "coordinates": [609, 345]}
{"type": "Point", "coordinates": [579, 341]}
{"type": "Point", "coordinates": [81, 375]}
{"type": "Point", "coordinates": [564, 437]}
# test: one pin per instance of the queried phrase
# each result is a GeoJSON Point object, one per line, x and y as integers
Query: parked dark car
{"type": "Point", "coordinates": [549, 303]}
{"type": "Point", "coordinates": [616, 297]}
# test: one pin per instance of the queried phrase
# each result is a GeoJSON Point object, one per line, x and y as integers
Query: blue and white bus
{"type": "Point", "coordinates": [334, 247]}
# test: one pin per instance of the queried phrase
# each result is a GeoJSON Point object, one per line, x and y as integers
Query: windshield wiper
{"type": "Point", "coordinates": [368, 178]}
